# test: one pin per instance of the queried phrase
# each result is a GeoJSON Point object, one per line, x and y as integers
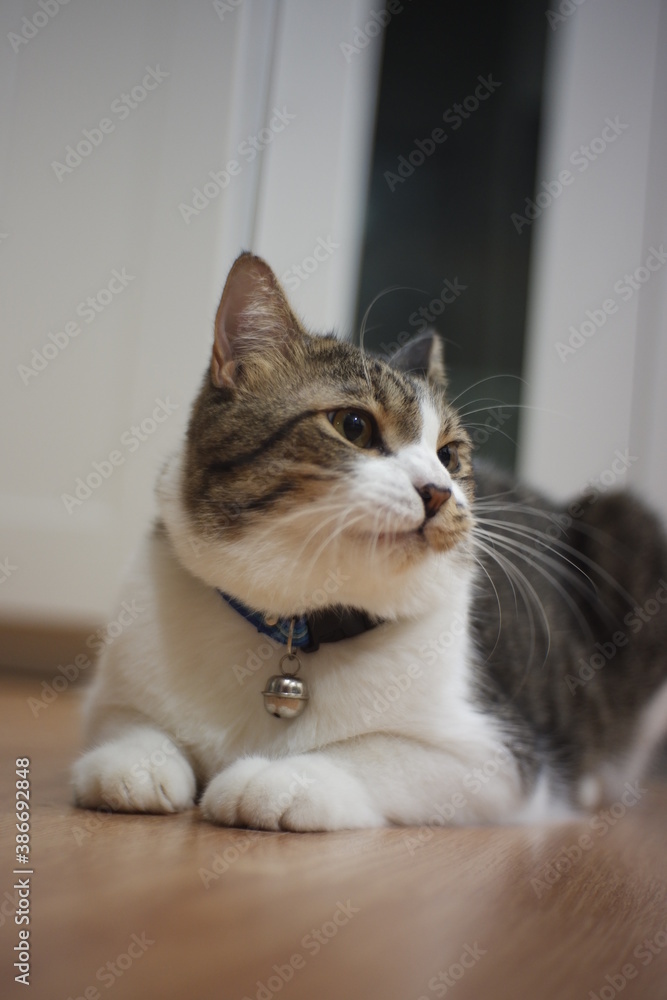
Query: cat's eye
{"type": "Point", "coordinates": [449, 456]}
{"type": "Point", "coordinates": [354, 425]}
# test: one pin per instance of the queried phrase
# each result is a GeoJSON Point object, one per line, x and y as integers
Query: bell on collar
{"type": "Point", "coordinates": [285, 695]}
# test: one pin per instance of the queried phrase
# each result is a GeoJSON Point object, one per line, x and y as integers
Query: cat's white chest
{"type": "Point", "coordinates": [199, 668]}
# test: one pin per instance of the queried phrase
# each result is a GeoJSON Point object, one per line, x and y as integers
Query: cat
{"type": "Point", "coordinates": [346, 622]}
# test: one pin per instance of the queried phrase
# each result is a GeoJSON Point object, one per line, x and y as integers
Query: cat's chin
{"type": "Point", "coordinates": [405, 581]}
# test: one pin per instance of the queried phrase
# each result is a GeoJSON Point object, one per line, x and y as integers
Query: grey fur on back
{"type": "Point", "coordinates": [570, 678]}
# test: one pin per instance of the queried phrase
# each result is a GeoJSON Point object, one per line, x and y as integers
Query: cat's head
{"type": "Point", "coordinates": [313, 474]}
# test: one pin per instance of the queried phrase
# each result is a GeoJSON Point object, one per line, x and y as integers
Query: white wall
{"type": "Point", "coordinates": [226, 67]}
{"type": "Point", "coordinates": [117, 209]}
{"type": "Point", "coordinates": [587, 403]}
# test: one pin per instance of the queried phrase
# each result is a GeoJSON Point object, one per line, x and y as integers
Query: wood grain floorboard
{"type": "Point", "coordinates": [174, 908]}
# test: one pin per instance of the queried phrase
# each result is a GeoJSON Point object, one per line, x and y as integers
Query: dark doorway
{"type": "Point", "coordinates": [454, 158]}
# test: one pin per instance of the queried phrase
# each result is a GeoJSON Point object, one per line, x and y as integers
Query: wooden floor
{"type": "Point", "coordinates": [176, 909]}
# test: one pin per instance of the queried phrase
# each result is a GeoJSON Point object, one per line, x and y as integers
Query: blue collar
{"type": "Point", "coordinates": [278, 630]}
{"type": "Point", "coordinates": [325, 625]}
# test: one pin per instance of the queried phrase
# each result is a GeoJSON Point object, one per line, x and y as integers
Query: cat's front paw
{"type": "Point", "coordinates": [135, 774]}
{"type": "Point", "coordinates": [307, 792]}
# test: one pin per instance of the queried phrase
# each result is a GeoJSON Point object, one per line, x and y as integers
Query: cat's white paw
{"type": "Point", "coordinates": [306, 792]}
{"type": "Point", "coordinates": [145, 773]}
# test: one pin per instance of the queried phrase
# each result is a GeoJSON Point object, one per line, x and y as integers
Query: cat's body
{"type": "Point", "coordinates": [313, 477]}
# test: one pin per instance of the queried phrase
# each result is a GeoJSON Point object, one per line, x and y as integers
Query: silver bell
{"type": "Point", "coordinates": [285, 696]}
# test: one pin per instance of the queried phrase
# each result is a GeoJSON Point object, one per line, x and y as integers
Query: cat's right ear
{"type": "Point", "coordinates": [422, 356]}
{"type": "Point", "coordinates": [253, 315]}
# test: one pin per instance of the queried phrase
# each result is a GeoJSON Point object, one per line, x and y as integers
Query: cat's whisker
{"type": "Point", "coordinates": [481, 381]}
{"type": "Point", "coordinates": [498, 602]}
{"type": "Point", "coordinates": [553, 516]}
{"type": "Point", "coordinates": [519, 550]}
{"type": "Point", "coordinates": [265, 536]}
{"type": "Point", "coordinates": [364, 321]}
{"type": "Point", "coordinates": [559, 543]}
{"type": "Point", "coordinates": [376, 534]}
{"type": "Point", "coordinates": [494, 404]}
{"type": "Point", "coordinates": [341, 512]}
{"type": "Point", "coordinates": [507, 567]}
{"type": "Point", "coordinates": [330, 513]}
{"type": "Point", "coordinates": [526, 589]}
{"type": "Point", "coordinates": [544, 563]}
{"type": "Point", "coordinates": [501, 403]}
{"type": "Point", "coordinates": [347, 523]}
{"type": "Point", "coordinates": [490, 505]}
{"type": "Point", "coordinates": [480, 501]}
{"type": "Point", "coordinates": [490, 429]}
{"type": "Point", "coordinates": [385, 291]}
{"type": "Point", "coordinates": [529, 533]}
{"type": "Point", "coordinates": [322, 508]}
{"type": "Point", "coordinates": [514, 576]}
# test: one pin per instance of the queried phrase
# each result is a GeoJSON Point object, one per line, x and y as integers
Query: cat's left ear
{"type": "Point", "coordinates": [422, 356]}
{"type": "Point", "coordinates": [253, 316]}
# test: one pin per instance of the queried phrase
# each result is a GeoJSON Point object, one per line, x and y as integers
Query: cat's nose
{"type": "Point", "coordinates": [433, 497]}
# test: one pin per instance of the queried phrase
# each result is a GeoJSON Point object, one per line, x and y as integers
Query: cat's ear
{"type": "Point", "coordinates": [253, 315]}
{"type": "Point", "coordinates": [422, 356]}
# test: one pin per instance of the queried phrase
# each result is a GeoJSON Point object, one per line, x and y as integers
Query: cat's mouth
{"type": "Point", "coordinates": [390, 539]}
{"type": "Point", "coordinates": [413, 542]}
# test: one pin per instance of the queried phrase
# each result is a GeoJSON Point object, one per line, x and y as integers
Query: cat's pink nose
{"type": "Point", "coordinates": [433, 497]}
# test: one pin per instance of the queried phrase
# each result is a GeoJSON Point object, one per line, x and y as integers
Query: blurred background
{"type": "Point", "coordinates": [494, 172]}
